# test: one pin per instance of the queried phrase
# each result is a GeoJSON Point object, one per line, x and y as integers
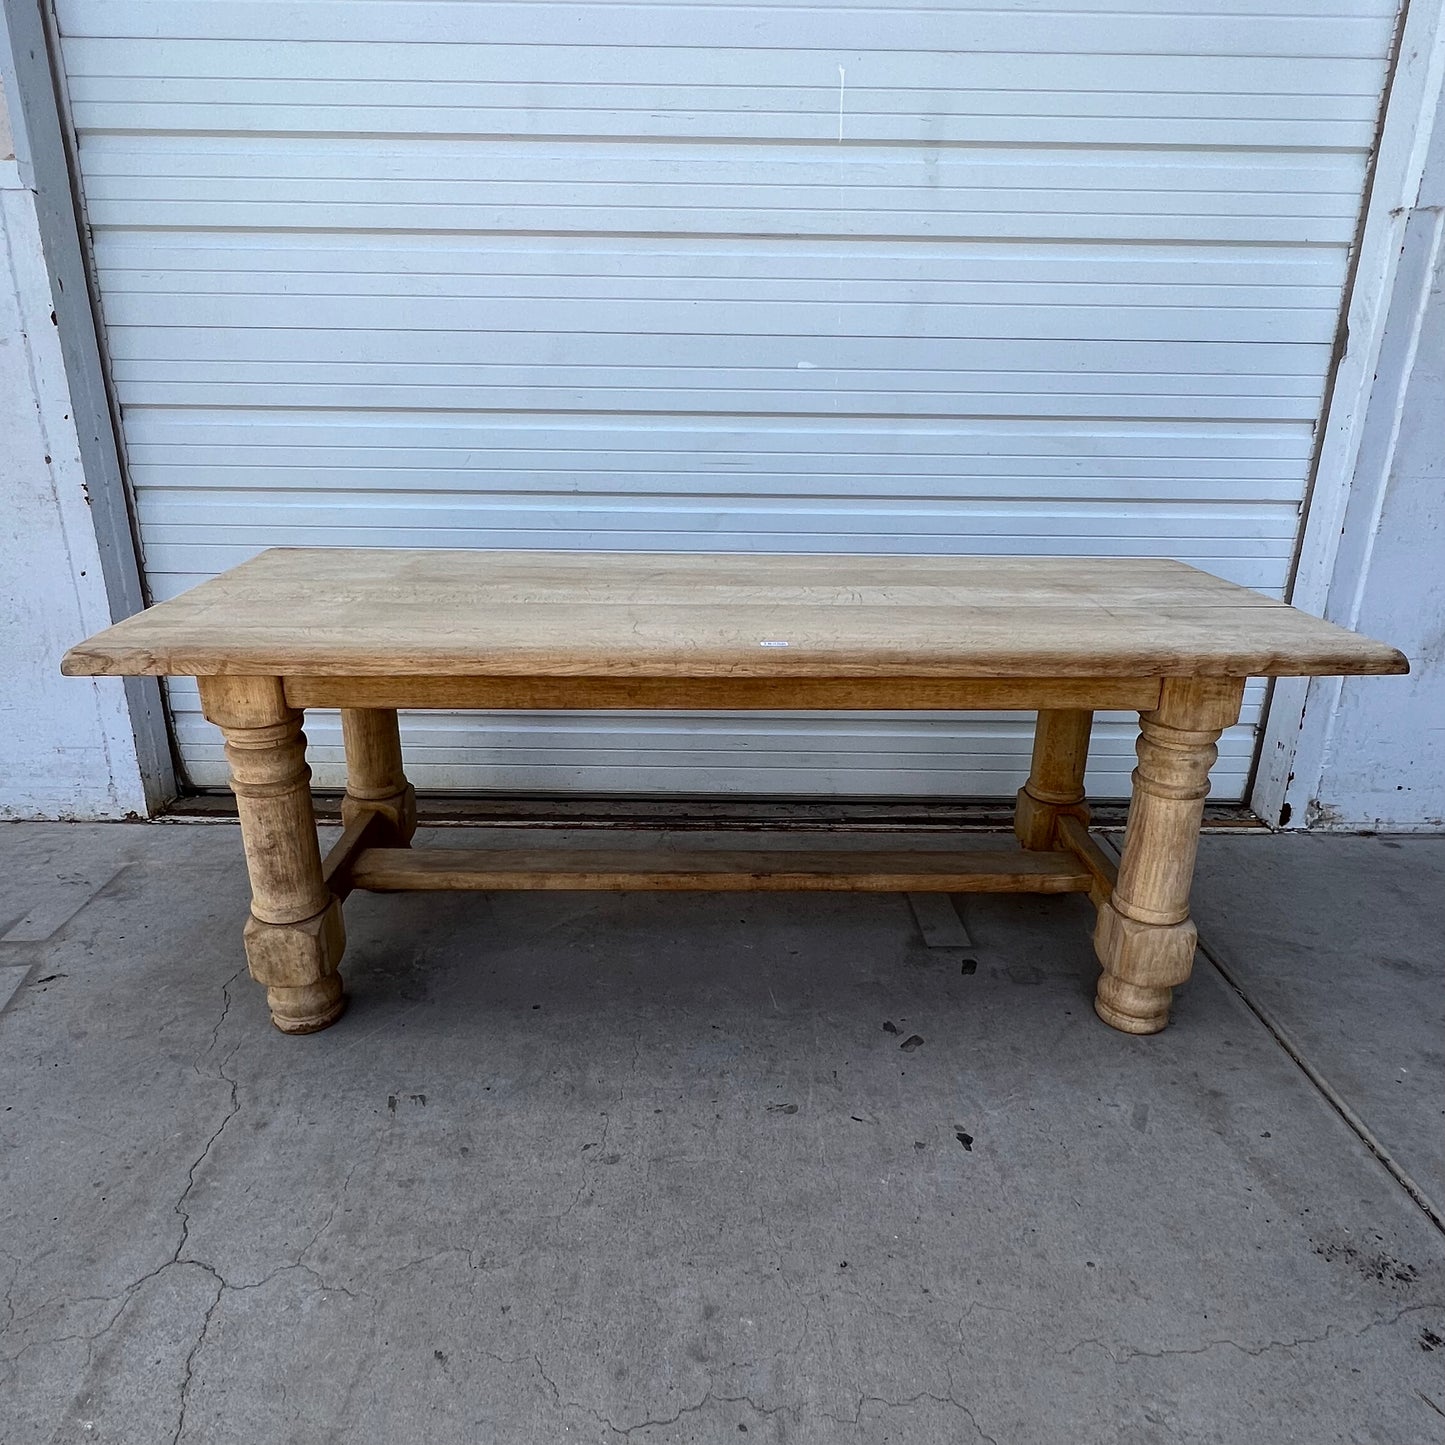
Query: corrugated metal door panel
{"type": "Point", "coordinates": [915, 755]}
{"type": "Point", "coordinates": [723, 276]}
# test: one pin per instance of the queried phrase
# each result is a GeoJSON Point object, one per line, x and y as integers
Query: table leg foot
{"type": "Point", "coordinates": [1142, 964]}
{"type": "Point", "coordinates": [1130, 1008]}
{"type": "Point", "coordinates": [298, 964]}
{"type": "Point", "coordinates": [309, 1009]}
{"type": "Point", "coordinates": [375, 782]}
{"type": "Point", "coordinates": [1056, 777]}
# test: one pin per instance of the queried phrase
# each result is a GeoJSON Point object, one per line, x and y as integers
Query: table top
{"type": "Point", "coordinates": [356, 612]}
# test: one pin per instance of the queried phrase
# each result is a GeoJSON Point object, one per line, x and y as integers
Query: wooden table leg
{"type": "Point", "coordinates": [375, 782]}
{"type": "Point", "coordinates": [1145, 938]}
{"type": "Point", "coordinates": [1056, 779]}
{"type": "Point", "coordinates": [294, 936]}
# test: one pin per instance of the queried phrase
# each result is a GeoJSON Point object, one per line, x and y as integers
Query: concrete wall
{"type": "Point", "coordinates": [1384, 759]}
{"type": "Point", "coordinates": [68, 747]}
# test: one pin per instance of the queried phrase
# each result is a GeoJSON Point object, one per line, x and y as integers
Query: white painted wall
{"type": "Point", "coordinates": [1366, 753]}
{"type": "Point", "coordinates": [906, 278]}
{"type": "Point", "coordinates": [67, 745]}
{"type": "Point", "coordinates": [1384, 755]}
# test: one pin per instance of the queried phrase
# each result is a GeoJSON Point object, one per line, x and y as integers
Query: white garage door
{"type": "Point", "coordinates": [765, 277]}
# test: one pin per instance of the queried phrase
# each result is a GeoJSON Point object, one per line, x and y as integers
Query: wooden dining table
{"type": "Point", "coordinates": [371, 631]}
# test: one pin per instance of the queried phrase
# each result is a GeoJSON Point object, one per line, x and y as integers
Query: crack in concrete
{"type": "Point", "coordinates": [223, 1287]}
{"type": "Point", "coordinates": [1129, 1354]}
{"type": "Point", "coordinates": [123, 1300]}
{"type": "Point", "coordinates": [131, 1290]}
{"type": "Point", "coordinates": [551, 1383]}
{"type": "Point", "coordinates": [588, 1173]}
{"type": "Point", "coordinates": [191, 1363]}
{"type": "Point", "coordinates": [428, 1258]}
{"type": "Point", "coordinates": [10, 1290]}
{"type": "Point", "coordinates": [324, 1286]}
{"type": "Point", "coordinates": [232, 1111]}
{"type": "Point", "coordinates": [710, 1396]}
{"type": "Point", "coordinates": [967, 1410]}
{"type": "Point", "coordinates": [870, 1304]}
{"type": "Point", "coordinates": [910, 1402]}
{"type": "Point", "coordinates": [330, 1216]}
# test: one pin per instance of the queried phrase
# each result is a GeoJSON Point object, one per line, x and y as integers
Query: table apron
{"type": "Point", "coordinates": [778, 694]}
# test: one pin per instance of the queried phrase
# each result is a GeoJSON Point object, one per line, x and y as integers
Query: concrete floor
{"type": "Point", "coordinates": [584, 1166]}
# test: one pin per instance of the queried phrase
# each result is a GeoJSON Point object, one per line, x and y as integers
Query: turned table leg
{"type": "Point", "coordinates": [294, 936]}
{"type": "Point", "coordinates": [1056, 779]}
{"type": "Point", "coordinates": [1145, 938]}
{"type": "Point", "coordinates": [375, 782]}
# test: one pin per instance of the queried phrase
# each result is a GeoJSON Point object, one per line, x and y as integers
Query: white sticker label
{"type": "Point", "coordinates": [772, 644]}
